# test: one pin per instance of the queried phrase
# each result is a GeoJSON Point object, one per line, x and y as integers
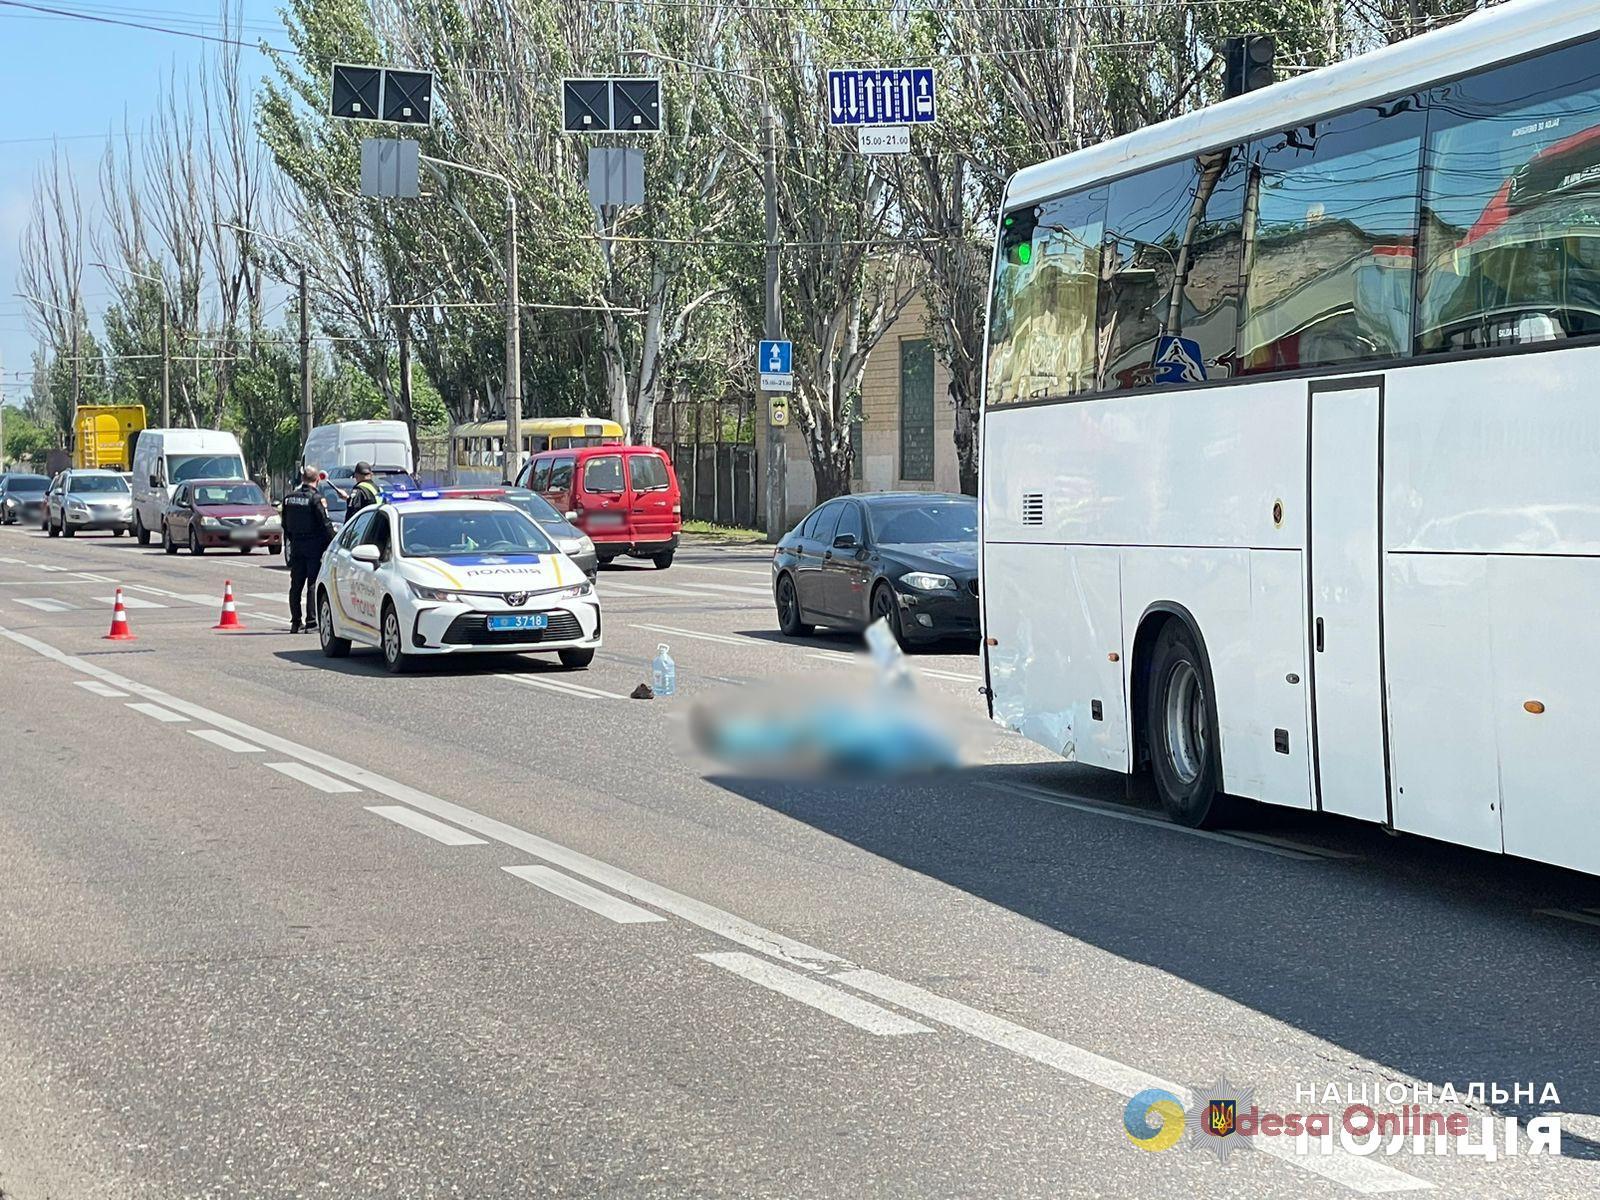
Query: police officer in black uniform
{"type": "Point", "coordinates": [364, 493]}
{"type": "Point", "coordinates": [306, 525]}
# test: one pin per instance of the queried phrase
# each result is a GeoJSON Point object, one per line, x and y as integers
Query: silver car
{"type": "Point", "coordinates": [88, 499]}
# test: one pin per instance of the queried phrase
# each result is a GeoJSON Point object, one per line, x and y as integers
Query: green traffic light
{"type": "Point", "coordinates": [1024, 253]}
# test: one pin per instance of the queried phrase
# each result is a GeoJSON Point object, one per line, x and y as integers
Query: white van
{"type": "Point", "coordinates": [164, 458]}
{"type": "Point", "coordinates": [336, 448]}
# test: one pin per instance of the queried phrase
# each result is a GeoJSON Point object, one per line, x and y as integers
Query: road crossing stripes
{"type": "Point", "coordinates": [448, 835]}
{"type": "Point", "coordinates": [863, 1014]}
{"type": "Point", "coordinates": [44, 604]}
{"type": "Point", "coordinates": [584, 896]}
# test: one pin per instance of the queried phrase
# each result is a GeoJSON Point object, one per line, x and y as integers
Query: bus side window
{"type": "Point", "coordinates": [541, 475]}
{"type": "Point", "coordinates": [538, 444]}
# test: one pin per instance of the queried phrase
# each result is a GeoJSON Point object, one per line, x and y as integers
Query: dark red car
{"type": "Point", "coordinates": [228, 514]}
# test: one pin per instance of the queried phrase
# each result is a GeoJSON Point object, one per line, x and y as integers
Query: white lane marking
{"type": "Point", "coordinates": [19, 562]}
{"type": "Point", "coordinates": [721, 639]}
{"type": "Point", "coordinates": [809, 990]}
{"type": "Point", "coordinates": [1363, 1175]}
{"type": "Point", "coordinates": [713, 920]}
{"type": "Point", "coordinates": [203, 601]}
{"type": "Point", "coordinates": [91, 577]}
{"type": "Point", "coordinates": [278, 596]}
{"type": "Point", "coordinates": [427, 826]}
{"type": "Point", "coordinates": [1581, 918]}
{"type": "Point", "coordinates": [48, 567]}
{"type": "Point", "coordinates": [683, 564]}
{"type": "Point", "coordinates": [156, 711]}
{"type": "Point", "coordinates": [127, 601]}
{"type": "Point", "coordinates": [583, 895]}
{"type": "Point", "coordinates": [46, 604]}
{"type": "Point", "coordinates": [640, 589]}
{"type": "Point", "coordinates": [226, 740]}
{"type": "Point", "coordinates": [98, 688]}
{"type": "Point", "coordinates": [1300, 853]}
{"type": "Point", "coordinates": [305, 774]}
{"type": "Point", "coordinates": [562, 686]}
{"type": "Point", "coordinates": [740, 588]}
{"type": "Point", "coordinates": [39, 583]}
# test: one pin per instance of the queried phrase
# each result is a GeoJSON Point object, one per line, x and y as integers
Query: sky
{"type": "Point", "coordinates": [73, 80]}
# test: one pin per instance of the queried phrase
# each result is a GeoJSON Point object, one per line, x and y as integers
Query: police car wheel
{"type": "Point", "coordinates": [333, 646]}
{"type": "Point", "coordinates": [575, 660]}
{"type": "Point", "coordinates": [394, 652]}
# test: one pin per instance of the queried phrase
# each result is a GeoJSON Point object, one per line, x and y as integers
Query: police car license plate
{"type": "Point", "coordinates": [519, 621]}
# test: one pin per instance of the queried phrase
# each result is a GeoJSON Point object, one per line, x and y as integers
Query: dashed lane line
{"type": "Point", "coordinates": [226, 740]}
{"type": "Point", "coordinates": [807, 989]}
{"type": "Point", "coordinates": [45, 603]}
{"type": "Point", "coordinates": [1362, 1175]}
{"type": "Point", "coordinates": [98, 688]}
{"type": "Point", "coordinates": [157, 712]}
{"type": "Point", "coordinates": [311, 776]}
{"type": "Point", "coordinates": [720, 638]}
{"type": "Point", "coordinates": [584, 896]}
{"type": "Point", "coordinates": [449, 835]}
{"type": "Point", "coordinates": [562, 687]}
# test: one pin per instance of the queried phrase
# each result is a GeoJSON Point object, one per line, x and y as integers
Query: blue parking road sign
{"type": "Point", "coordinates": [774, 358]}
{"type": "Point", "coordinates": [881, 96]}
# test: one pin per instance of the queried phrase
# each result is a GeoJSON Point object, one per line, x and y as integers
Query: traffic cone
{"type": "Point", "coordinates": [119, 622]}
{"type": "Point", "coordinates": [230, 615]}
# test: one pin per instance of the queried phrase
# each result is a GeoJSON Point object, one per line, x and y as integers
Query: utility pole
{"type": "Point", "coordinates": [777, 449]}
{"type": "Point", "coordinates": [305, 361]}
{"type": "Point", "coordinates": [166, 366]}
{"type": "Point", "coordinates": [513, 454]}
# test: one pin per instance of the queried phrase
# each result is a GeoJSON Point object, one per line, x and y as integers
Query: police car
{"type": "Point", "coordinates": [416, 575]}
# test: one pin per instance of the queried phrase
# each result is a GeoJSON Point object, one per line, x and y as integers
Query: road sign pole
{"type": "Point", "coordinates": [777, 465]}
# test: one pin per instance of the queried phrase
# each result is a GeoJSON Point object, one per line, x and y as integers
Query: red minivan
{"type": "Point", "coordinates": [625, 498]}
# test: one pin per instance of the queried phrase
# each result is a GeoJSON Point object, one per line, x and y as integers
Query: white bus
{"type": "Point", "coordinates": [1291, 444]}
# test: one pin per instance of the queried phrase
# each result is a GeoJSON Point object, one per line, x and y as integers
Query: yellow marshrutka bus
{"type": "Point", "coordinates": [477, 448]}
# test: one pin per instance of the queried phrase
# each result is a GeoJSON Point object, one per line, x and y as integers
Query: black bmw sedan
{"type": "Point", "coordinates": [911, 557]}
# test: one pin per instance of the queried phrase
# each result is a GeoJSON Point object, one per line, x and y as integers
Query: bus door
{"type": "Point", "coordinates": [1349, 720]}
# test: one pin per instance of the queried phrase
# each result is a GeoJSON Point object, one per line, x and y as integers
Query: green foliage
{"type": "Point", "coordinates": [26, 439]}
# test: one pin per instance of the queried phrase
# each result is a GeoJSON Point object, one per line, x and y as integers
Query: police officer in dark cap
{"type": "Point", "coordinates": [364, 493]}
{"type": "Point", "coordinates": [309, 530]}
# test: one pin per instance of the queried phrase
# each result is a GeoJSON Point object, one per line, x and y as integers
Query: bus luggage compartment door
{"type": "Point", "coordinates": [1344, 561]}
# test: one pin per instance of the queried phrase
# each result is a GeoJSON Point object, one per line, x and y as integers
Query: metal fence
{"type": "Point", "coordinates": [712, 445]}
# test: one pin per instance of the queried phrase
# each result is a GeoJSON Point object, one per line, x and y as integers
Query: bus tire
{"type": "Point", "coordinates": [1181, 724]}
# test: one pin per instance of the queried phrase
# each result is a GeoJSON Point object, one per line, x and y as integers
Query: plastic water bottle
{"type": "Point", "coordinates": [663, 672]}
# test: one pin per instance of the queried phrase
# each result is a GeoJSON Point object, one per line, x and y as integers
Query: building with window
{"type": "Point", "coordinates": [905, 436]}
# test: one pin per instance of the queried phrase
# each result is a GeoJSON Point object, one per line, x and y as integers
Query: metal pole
{"type": "Point", "coordinates": [513, 455]}
{"type": "Point", "coordinates": [76, 396]}
{"type": "Point", "coordinates": [305, 362]}
{"type": "Point", "coordinates": [166, 367]}
{"type": "Point", "coordinates": [777, 472]}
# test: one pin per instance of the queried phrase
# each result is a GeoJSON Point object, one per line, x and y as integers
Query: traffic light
{"type": "Point", "coordinates": [1248, 63]}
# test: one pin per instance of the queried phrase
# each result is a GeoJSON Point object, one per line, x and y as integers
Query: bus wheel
{"type": "Point", "coordinates": [1181, 723]}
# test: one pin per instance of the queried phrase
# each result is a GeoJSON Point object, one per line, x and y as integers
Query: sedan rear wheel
{"type": "Point", "coordinates": [333, 646]}
{"type": "Point", "coordinates": [789, 609]}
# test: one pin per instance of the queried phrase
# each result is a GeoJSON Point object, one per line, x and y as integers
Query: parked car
{"type": "Point", "coordinates": [22, 498]}
{"type": "Point", "coordinates": [164, 458]}
{"type": "Point", "coordinates": [909, 557]}
{"type": "Point", "coordinates": [87, 499]}
{"type": "Point", "coordinates": [227, 513]}
{"type": "Point", "coordinates": [569, 539]}
{"type": "Point", "coordinates": [625, 498]}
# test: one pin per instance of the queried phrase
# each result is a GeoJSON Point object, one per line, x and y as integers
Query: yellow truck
{"type": "Point", "coordinates": [103, 435]}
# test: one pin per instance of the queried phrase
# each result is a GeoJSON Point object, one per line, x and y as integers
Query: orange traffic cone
{"type": "Point", "coordinates": [119, 622]}
{"type": "Point", "coordinates": [230, 615]}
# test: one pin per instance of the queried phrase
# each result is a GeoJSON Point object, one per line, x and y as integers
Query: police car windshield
{"type": "Point", "coordinates": [468, 534]}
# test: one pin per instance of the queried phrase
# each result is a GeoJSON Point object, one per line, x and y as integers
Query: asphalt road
{"type": "Point", "coordinates": [275, 925]}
